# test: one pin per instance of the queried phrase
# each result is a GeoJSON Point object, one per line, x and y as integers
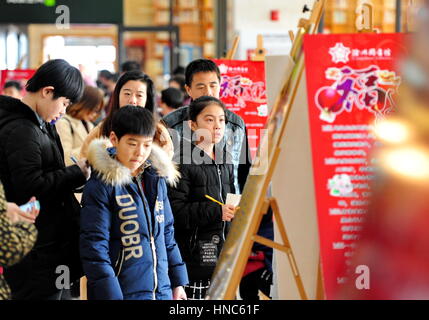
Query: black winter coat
{"type": "Point", "coordinates": [32, 164]}
{"type": "Point", "coordinates": [200, 231]}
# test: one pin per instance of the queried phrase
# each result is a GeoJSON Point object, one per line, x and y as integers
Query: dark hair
{"type": "Point", "coordinates": [14, 84]}
{"type": "Point", "coordinates": [66, 80]}
{"type": "Point", "coordinates": [180, 79]}
{"type": "Point", "coordinates": [172, 97]}
{"type": "Point", "coordinates": [179, 70]}
{"type": "Point", "coordinates": [92, 99]}
{"type": "Point", "coordinates": [133, 120]}
{"type": "Point", "coordinates": [198, 105]}
{"type": "Point", "coordinates": [200, 65]}
{"type": "Point", "coordinates": [114, 104]}
{"type": "Point", "coordinates": [130, 66]}
{"type": "Point", "coordinates": [106, 74]}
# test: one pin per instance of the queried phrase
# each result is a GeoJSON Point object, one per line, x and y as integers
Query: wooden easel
{"type": "Point", "coordinates": [285, 246]}
{"type": "Point", "coordinates": [231, 53]}
{"type": "Point", "coordinates": [259, 55]}
{"type": "Point", "coordinates": [260, 51]}
{"type": "Point", "coordinates": [254, 203]}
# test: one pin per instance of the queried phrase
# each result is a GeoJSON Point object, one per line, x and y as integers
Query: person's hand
{"type": "Point", "coordinates": [15, 214]}
{"type": "Point", "coordinates": [162, 136]}
{"type": "Point", "coordinates": [228, 212]}
{"type": "Point", "coordinates": [84, 167]}
{"type": "Point", "coordinates": [179, 293]}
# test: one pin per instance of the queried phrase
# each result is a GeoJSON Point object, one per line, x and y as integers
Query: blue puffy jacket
{"type": "Point", "coordinates": [127, 244]}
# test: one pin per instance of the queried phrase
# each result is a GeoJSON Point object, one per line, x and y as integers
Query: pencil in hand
{"type": "Point", "coordinates": [214, 200]}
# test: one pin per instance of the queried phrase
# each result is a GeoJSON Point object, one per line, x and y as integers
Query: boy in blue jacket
{"type": "Point", "coordinates": [127, 243]}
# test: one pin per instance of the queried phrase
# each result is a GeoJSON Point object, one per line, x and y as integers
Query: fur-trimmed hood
{"type": "Point", "coordinates": [112, 172]}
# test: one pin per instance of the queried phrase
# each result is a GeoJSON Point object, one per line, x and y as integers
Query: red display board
{"type": "Point", "coordinates": [352, 82]}
{"type": "Point", "coordinates": [22, 76]}
{"type": "Point", "coordinates": [243, 91]}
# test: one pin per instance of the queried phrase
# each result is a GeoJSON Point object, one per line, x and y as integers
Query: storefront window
{"type": "Point", "coordinates": [89, 54]}
{"type": "Point", "coordinates": [12, 50]}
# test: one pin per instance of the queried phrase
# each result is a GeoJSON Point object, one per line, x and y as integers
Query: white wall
{"type": "Point", "coordinates": [255, 14]}
{"type": "Point", "coordinates": [252, 17]}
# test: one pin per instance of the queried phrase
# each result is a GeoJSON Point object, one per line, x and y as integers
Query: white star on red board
{"type": "Point", "coordinates": [340, 53]}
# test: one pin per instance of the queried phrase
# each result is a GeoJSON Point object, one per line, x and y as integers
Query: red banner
{"type": "Point", "coordinates": [22, 76]}
{"type": "Point", "coordinates": [352, 81]}
{"type": "Point", "coordinates": [243, 91]}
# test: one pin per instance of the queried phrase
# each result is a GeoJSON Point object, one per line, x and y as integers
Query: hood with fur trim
{"type": "Point", "coordinates": [112, 172]}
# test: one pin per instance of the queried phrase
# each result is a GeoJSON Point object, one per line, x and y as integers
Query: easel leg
{"type": "Point", "coordinates": [83, 292]}
{"type": "Point", "coordinates": [288, 250]}
{"type": "Point", "coordinates": [320, 294]}
{"type": "Point", "coordinates": [285, 247]}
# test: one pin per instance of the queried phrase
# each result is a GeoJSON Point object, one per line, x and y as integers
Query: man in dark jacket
{"type": "Point", "coordinates": [32, 164]}
{"type": "Point", "coordinates": [203, 78]}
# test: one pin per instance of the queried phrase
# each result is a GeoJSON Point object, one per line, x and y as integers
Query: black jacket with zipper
{"type": "Point", "coordinates": [200, 231]}
{"type": "Point", "coordinates": [32, 164]}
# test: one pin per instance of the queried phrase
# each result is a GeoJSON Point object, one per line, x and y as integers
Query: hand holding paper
{"type": "Point", "coordinates": [233, 199]}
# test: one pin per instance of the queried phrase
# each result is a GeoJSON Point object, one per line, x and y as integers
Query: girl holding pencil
{"type": "Point", "coordinates": [201, 218]}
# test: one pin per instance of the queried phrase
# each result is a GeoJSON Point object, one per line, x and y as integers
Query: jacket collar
{"type": "Point", "coordinates": [192, 154]}
{"type": "Point", "coordinates": [101, 156]}
{"type": "Point", "coordinates": [16, 109]}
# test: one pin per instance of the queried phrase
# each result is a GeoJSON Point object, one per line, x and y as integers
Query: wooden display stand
{"type": "Point", "coordinates": [285, 246]}
{"type": "Point", "coordinates": [254, 203]}
{"type": "Point", "coordinates": [231, 53]}
{"type": "Point", "coordinates": [260, 53]}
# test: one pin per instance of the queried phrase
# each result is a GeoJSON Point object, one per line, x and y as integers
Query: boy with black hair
{"type": "Point", "coordinates": [127, 243]}
{"type": "Point", "coordinates": [12, 89]}
{"type": "Point", "coordinates": [171, 99]}
{"type": "Point", "coordinates": [32, 164]}
{"type": "Point", "coordinates": [203, 78]}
